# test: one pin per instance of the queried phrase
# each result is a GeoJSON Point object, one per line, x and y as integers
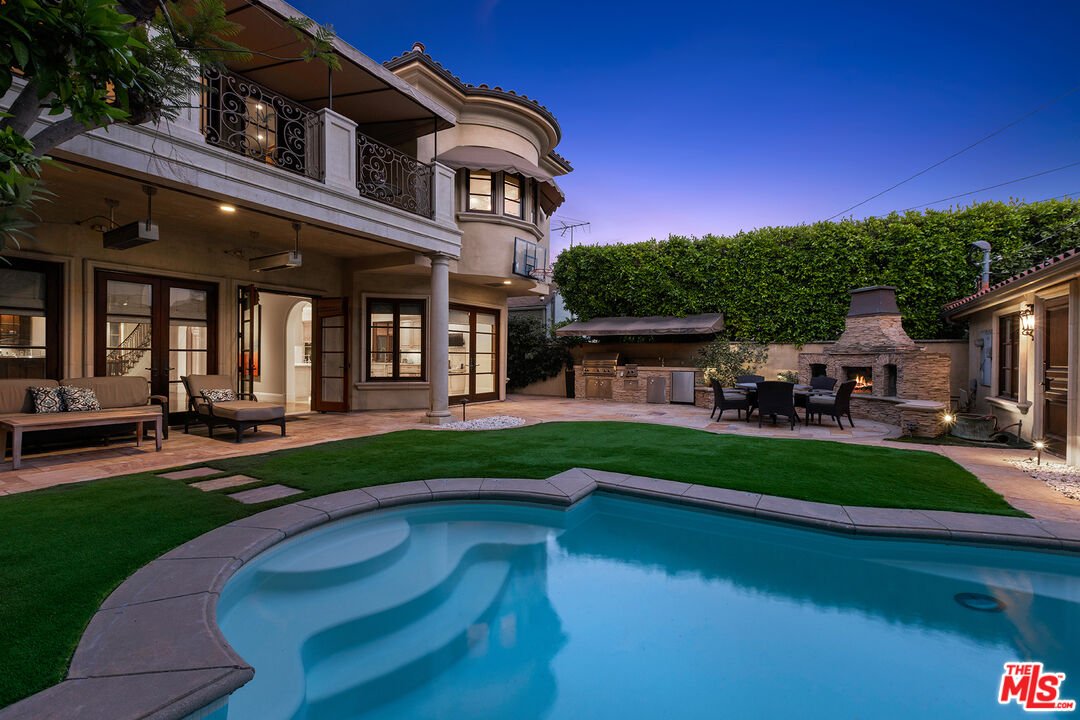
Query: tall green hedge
{"type": "Point", "coordinates": [790, 284]}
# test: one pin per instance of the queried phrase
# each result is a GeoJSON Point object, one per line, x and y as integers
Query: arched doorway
{"type": "Point", "coordinates": [298, 357]}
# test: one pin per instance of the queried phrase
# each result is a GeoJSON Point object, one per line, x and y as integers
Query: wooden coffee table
{"type": "Point", "coordinates": [18, 425]}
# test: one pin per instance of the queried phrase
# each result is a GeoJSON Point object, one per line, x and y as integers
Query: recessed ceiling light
{"type": "Point", "coordinates": [507, 282]}
{"type": "Point", "coordinates": [227, 208]}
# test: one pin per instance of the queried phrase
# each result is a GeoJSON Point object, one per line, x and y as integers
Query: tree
{"type": "Point", "coordinates": [533, 352]}
{"type": "Point", "coordinates": [95, 63]}
{"type": "Point", "coordinates": [723, 361]}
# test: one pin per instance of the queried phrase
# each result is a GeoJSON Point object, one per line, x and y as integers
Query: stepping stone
{"type": "Point", "coordinates": [224, 482]}
{"type": "Point", "coordinates": [270, 492]}
{"type": "Point", "coordinates": [196, 472]}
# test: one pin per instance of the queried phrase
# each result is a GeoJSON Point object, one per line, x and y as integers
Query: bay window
{"type": "Point", "coordinates": [481, 191]}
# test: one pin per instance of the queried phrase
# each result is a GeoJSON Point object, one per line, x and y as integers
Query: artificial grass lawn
{"type": "Point", "coordinates": [64, 549]}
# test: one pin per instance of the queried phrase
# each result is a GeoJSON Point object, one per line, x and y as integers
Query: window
{"type": "Point", "coordinates": [1008, 355]}
{"type": "Point", "coordinates": [481, 191]}
{"type": "Point", "coordinates": [29, 319]}
{"type": "Point", "coordinates": [395, 340]}
{"type": "Point", "coordinates": [512, 198]}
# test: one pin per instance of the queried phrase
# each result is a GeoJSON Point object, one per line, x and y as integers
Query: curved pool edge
{"type": "Point", "coordinates": [154, 648]}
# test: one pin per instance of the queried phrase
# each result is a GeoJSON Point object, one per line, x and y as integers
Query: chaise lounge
{"type": "Point", "coordinates": [242, 412]}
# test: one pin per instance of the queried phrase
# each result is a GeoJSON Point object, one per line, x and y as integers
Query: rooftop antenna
{"type": "Point", "coordinates": [564, 226]}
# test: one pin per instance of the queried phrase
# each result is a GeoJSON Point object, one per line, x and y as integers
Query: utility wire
{"type": "Point", "coordinates": [958, 152]}
{"type": "Point", "coordinates": [991, 187]}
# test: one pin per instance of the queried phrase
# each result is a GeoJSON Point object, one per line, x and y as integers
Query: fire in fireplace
{"type": "Point", "coordinates": [864, 379]}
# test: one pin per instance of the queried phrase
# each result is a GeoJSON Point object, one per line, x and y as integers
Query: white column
{"type": "Point", "coordinates": [439, 336]}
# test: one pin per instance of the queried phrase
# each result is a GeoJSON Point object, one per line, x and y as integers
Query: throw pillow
{"type": "Point", "coordinates": [47, 399]}
{"type": "Point", "coordinates": [223, 395]}
{"type": "Point", "coordinates": [79, 399]}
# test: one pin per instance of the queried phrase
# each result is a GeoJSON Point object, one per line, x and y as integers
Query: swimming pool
{"type": "Point", "coordinates": [627, 608]}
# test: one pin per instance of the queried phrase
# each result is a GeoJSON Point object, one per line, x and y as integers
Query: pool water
{"type": "Point", "coordinates": [625, 608]}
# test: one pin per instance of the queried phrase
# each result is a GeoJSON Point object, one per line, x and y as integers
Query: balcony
{"type": "Point", "coordinates": [246, 118]}
{"type": "Point", "coordinates": [249, 119]}
{"type": "Point", "coordinates": [392, 177]}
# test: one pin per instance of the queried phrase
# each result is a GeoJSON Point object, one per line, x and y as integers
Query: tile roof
{"type": "Point", "coordinates": [418, 53]}
{"type": "Point", "coordinates": [1045, 264]}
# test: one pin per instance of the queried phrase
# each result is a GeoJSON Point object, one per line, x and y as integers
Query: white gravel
{"type": "Point", "coordinates": [1058, 475]}
{"type": "Point", "coordinates": [495, 422]}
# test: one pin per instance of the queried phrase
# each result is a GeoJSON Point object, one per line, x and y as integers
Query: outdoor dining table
{"type": "Point", "coordinates": [801, 393]}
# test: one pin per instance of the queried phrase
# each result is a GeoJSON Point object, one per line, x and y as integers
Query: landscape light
{"type": "Point", "coordinates": [1039, 447]}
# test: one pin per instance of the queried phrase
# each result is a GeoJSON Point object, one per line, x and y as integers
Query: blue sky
{"type": "Point", "coordinates": [691, 118]}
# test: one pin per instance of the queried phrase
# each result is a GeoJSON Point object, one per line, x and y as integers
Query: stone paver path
{"type": "Point", "coordinates": [223, 482]}
{"type": "Point", "coordinates": [263, 494]}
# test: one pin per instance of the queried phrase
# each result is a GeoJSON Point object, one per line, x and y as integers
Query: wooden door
{"type": "Point", "coordinates": [156, 327]}
{"type": "Point", "coordinates": [1056, 379]}
{"type": "Point", "coordinates": [249, 331]}
{"type": "Point", "coordinates": [330, 379]}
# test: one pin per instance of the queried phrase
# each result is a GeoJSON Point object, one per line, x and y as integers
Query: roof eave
{"type": "Point", "coordinates": [1023, 282]}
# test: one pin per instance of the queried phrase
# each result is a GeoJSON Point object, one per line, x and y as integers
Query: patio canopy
{"type": "Point", "coordinates": [706, 324]}
{"type": "Point", "coordinates": [478, 157]}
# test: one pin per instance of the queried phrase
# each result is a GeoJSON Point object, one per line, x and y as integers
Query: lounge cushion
{"type": "Point", "coordinates": [15, 394]}
{"type": "Point", "coordinates": [820, 401]}
{"type": "Point", "coordinates": [79, 399]}
{"type": "Point", "coordinates": [248, 411]}
{"type": "Point", "coordinates": [47, 399]}
{"type": "Point", "coordinates": [115, 392]}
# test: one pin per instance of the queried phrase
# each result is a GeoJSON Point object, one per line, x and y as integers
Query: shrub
{"type": "Point", "coordinates": [790, 284]}
{"type": "Point", "coordinates": [790, 376]}
{"type": "Point", "coordinates": [723, 361]}
{"type": "Point", "coordinates": [533, 352]}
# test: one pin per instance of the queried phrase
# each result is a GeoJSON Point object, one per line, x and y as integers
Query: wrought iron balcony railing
{"type": "Point", "coordinates": [392, 177]}
{"type": "Point", "coordinates": [251, 120]}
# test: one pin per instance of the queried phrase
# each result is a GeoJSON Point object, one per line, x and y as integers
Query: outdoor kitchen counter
{"type": "Point", "coordinates": [635, 389]}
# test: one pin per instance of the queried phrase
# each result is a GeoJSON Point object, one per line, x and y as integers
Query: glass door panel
{"type": "Point", "coordinates": [473, 354]}
{"type": "Point", "coordinates": [129, 343]}
{"type": "Point", "coordinates": [154, 327]}
{"type": "Point", "coordinates": [332, 359]}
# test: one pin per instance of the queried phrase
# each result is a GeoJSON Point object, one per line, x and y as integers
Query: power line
{"type": "Point", "coordinates": [991, 187]}
{"type": "Point", "coordinates": [959, 152]}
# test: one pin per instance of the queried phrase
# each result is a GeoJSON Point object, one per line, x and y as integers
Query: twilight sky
{"type": "Point", "coordinates": [699, 117]}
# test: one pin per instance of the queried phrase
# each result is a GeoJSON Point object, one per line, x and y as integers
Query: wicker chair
{"type": "Point", "coordinates": [749, 378]}
{"type": "Point", "coordinates": [822, 382]}
{"type": "Point", "coordinates": [835, 407]}
{"type": "Point", "coordinates": [776, 398]}
{"type": "Point", "coordinates": [730, 401]}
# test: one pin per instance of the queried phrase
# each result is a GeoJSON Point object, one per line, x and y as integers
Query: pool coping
{"type": "Point", "coordinates": [154, 650]}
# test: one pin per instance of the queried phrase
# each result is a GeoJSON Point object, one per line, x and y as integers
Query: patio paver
{"type": "Point", "coordinates": [223, 482]}
{"type": "Point", "coordinates": [187, 474]}
{"type": "Point", "coordinates": [264, 494]}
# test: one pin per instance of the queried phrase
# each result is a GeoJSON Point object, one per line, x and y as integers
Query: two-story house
{"type": "Point", "coordinates": [330, 237]}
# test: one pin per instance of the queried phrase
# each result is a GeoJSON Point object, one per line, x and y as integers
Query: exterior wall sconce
{"type": "Point", "coordinates": [1027, 320]}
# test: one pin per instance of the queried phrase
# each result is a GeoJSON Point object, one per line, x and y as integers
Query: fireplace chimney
{"type": "Point", "coordinates": [873, 323]}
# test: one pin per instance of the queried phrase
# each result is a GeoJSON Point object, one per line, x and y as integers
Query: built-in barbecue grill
{"type": "Point", "coordinates": [599, 371]}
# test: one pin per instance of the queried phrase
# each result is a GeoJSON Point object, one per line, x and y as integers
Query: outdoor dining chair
{"type": "Point", "coordinates": [822, 382]}
{"type": "Point", "coordinates": [749, 378]}
{"type": "Point", "coordinates": [776, 398]}
{"type": "Point", "coordinates": [836, 406]}
{"type": "Point", "coordinates": [732, 401]}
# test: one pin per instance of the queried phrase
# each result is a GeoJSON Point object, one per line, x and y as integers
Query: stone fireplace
{"type": "Point", "coordinates": [897, 381]}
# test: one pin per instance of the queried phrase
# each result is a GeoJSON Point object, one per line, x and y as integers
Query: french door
{"type": "Point", "coordinates": [1056, 378]}
{"type": "Point", "coordinates": [330, 379]}
{"type": "Point", "coordinates": [160, 328]}
{"type": "Point", "coordinates": [474, 354]}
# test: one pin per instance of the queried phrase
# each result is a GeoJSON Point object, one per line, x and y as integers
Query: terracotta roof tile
{"type": "Point", "coordinates": [1049, 262]}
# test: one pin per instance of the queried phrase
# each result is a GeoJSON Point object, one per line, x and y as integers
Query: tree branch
{"type": "Point", "coordinates": [58, 133]}
{"type": "Point", "coordinates": [26, 109]}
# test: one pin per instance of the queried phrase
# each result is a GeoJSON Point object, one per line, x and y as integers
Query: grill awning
{"type": "Point", "coordinates": [478, 157]}
{"type": "Point", "coordinates": [656, 325]}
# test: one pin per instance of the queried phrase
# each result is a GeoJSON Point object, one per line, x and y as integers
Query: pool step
{"type": "Point", "coordinates": [343, 556]}
{"type": "Point", "coordinates": [376, 671]}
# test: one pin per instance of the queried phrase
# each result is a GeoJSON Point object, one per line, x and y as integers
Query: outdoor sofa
{"type": "Point", "coordinates": [122, 401]}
